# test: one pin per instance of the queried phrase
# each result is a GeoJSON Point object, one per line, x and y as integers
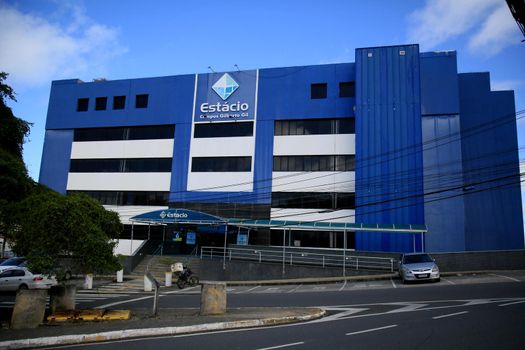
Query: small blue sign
{"type": "Point", "coordinates": [242, 239]}
{"type": "Point", "coordinates": [190, 238]}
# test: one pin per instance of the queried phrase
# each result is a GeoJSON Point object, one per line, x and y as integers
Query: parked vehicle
{"type": "Point", "coordinates": [418, 267]}
{"type": "Point", "coordinates": [186, 277]}
{"type": "Point", "coordinates": [63, 270]}
{"type": "Point", "coordinates": [13, 278]}
{"type": "Point", "coordinates": [14, 261]}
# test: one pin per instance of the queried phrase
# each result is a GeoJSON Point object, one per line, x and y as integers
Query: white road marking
{"type": "Point", "coordinates": [407, 307]}
{"type": "Point", "coordinates": [282, 346]}
{"type": "Point", "coordinates": [393, 284]}
{"type": "Point", "coordinates": [249, 290]}
{"type": "Point", "coordinates": [449, 315]}
{"type": "Point", "coordinates": [294, 289]}
{"type": "Point", "coordinates": [513, 303]}
{"type": "Point", "coordinates": [507, 277]}
{"type": "Point", "coordinates": [344, 285]}
{"type": "Point", "coordinates": [124, 302]}
{"type": "Point", "coordinates": [372, 329]}
{"type": "Point", "coordinates": [447, 280]}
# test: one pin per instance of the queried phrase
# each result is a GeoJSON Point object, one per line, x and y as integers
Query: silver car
{"type": "Point", "coordinates": [418, 267]}
{"type": "Point", "coordinates": [13, 278]}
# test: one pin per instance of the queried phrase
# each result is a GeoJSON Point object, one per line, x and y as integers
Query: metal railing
{"type": "Point", "coordinates": [305, 258]}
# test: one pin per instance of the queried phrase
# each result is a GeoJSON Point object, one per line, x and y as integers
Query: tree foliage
{"type": "Point", "coordinates": [51, 227]}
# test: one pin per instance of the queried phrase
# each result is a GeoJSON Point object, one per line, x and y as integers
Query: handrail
{"type": "Point", "coordinates": [356, 262]}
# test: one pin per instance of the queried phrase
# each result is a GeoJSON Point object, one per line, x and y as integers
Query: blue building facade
{"type": "Point", "coordinates": [398, 137]}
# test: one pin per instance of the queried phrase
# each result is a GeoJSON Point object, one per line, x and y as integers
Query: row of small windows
{"type": "Point", "coordinates": [128, 197]}
{"type": "Point", "coordinates": [312, 200]}
{"type": "Point", "coordinates": [119, 102]}
{"type": "Point", "coordinates": [314, 126]}
{"type": "Point", "coordinates": [221, 164]}
{"type": "Point", "coordinates": [314, 163]}
{"type": "Point", "coordinates": [320, 90]}
{"type": "Point", "coordinates": [125, 133]}
{"type": "Point", "coordinates": [135, 165]}
{"type": "Point", "coordinates": [238, 129]}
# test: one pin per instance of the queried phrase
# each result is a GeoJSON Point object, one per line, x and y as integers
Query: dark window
{"type": "Point", "coordinates": [221, 164]}
{"type": "Point", "coordinates": [100, 103]}
{"type": "Point", "coordinates": [347, 89]}
{"type": "Point", "coordinates": [223, 129]}
{"type": "Point", "coordinates": [18, 273]}
{"type": "Point", "coordinates": [119, 102]}
{"type": "Point", "coordinates": [130, 133]}
{"type": "Point", "coordinates": [312, 200]}
{"type": "Point", "coordinates": [141, 101]}
{"type": "Point", "coordinates": [346, 126]}
{"type": "Point", "coordinates": [314, 163]}
{"type": "Point", "coordinates": [128, 197]}
{"type": "Point", "coordinates": [318, 91]}
{"type": "Point", "coordinates": [82, 104]}
{"type": "Point", "coordinates": [140, 165]}
{"type": "Point", "coordinates": [314, 126]}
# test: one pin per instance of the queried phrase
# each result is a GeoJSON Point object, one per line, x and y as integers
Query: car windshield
{"type": "Point", "coordinates": [419, 258]}
{"type": "Point", "coordinates": [13, 262]}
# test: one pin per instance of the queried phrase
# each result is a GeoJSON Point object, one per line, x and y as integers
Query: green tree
{"type": "Point", "coordinates": [50, 226]}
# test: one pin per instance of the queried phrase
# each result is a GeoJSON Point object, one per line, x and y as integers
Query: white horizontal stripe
{"type": "Point", "coordinates": [313, 144]}
{"type": "Point", "coordinates": [313, 181]}
{"type": "Point", "coordinates": [450, 315]}
{"type": "Point", "coordinates": [223, 147]}
{"type": "Point", "coordinates": [220, 182]}
{"type": "Point", "coordinates": [372, 329]}
{"type": "Point", "coordinates": [123, 149]}
{"type": "Point", "coordinates": [126, 212]}
{"type": "Point", "coordinates": [507, 277]}
{"type": "Point", "coordinates": [119, 181]}
{"type": "Point", "coordinates": [513, 303]}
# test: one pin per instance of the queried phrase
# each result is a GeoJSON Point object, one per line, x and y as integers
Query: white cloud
{"type": "Point", "coordinates": [501, 85]}
{"type": "Point", "coordinates": [487, 24]}
{"type": "Point", "coordinates": [497, 32]}
{"type": "Point", "coordinates": [34, 50]}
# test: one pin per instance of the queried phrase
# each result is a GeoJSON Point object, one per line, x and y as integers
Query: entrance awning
{"type": "Point", "coordinates": [185, 216]}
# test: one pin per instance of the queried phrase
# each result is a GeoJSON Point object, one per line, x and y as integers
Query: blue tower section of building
{"type": "Point", "coordinates": [389, 176]}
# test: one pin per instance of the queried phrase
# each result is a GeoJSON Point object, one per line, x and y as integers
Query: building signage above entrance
{"type": "Point", "coordinates": [225, 97]}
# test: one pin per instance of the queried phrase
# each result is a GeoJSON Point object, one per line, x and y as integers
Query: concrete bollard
{"type": "Point", "coordinates": [62, 298]}
{"type": "Point", "coordinates": [213, 298]}
{"type": "Point", "coordinates": [30, 308]}
{"type": "Point", "coordinates": [120, 276]}
{"type": "Point", "coordinates": [88, 281]}
{"type": "Point", "coordinates": [148, 285]}
{"type": "Point", "coordinates": [168, 279]}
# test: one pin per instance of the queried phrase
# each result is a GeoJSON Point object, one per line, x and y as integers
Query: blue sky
{"type": "Point", "coordinates": [41, 41]}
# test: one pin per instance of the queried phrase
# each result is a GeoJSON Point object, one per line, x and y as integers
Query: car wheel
{"type": "Point", "coordinates": [22, 286]}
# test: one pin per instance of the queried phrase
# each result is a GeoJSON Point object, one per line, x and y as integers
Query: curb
{"type": "Point", "coordinates": [151, 332]}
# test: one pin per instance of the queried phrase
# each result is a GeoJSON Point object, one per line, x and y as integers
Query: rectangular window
{"type": "Point", "coordinates": [141, 101]}
{"type": "Point", "coordinates": [313, 200]}
{"type": "Point", "coordinates": [128, 197]}
{"type": "Point", "coordinates": [134, 165]}
{"type": "Point", "coordinates": [238, 129]}
{"type": "Point", "coordinates": [100, 103]}
{"type": "Point", "coordinates": [82, 104]}
{"type": "Point", "coordinates": [314, 163]}
{"type": "Point", "coordinates": [221, 164]}
{"type": "Point", "coordinates": [151, 132]}
{"type": "Point", "coordinates": [347, 89]}
{"type": "Point", "coordinates": [314, 126]}
{"type": "Point", "coordinates": [119, 102]}
{"type": "Point", "coordinates": [318, 91]}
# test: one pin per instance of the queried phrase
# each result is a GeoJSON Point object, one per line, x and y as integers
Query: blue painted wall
{"type": "Point", "coordinates": [491, 166]}
{"type": "Point", "coordinates": [55, 159]}
{"type": "Point", "coordinates": [389, 177]}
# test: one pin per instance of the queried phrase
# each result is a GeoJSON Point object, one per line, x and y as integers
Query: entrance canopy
{"type": "Point", "coordinates": [184, 216]}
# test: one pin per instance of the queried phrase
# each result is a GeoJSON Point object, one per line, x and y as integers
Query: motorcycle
{"type": "Point", "coordinates": [186, 278]}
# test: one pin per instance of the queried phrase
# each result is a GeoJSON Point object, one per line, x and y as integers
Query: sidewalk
{"type": "Point", "coordinates": [168, 322]}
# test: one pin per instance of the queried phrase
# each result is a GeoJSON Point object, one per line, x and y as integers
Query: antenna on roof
{"type": "Point", "coordinates": [236, 66]}
{"type": "Point", "coordinates": [210, 68]}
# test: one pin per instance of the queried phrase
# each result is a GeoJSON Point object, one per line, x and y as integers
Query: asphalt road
{"type": "Point", "coordinates": [484, 312]}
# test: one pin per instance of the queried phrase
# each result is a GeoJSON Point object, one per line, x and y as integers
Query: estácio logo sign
{"type": "Point", "coordinates": [163, 215]}
{"type": "Point", "coordinates": [224, 88]}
